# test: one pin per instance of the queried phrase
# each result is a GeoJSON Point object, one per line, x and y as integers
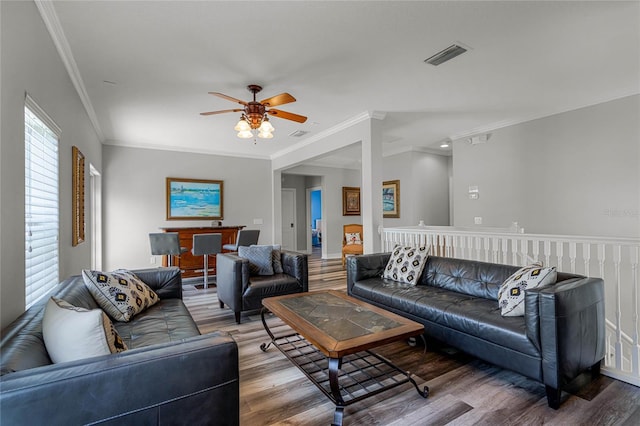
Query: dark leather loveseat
{"type": "Point", "coordinates": [561, 334]}
{"type": "Point", "coordinates": [169, 375]}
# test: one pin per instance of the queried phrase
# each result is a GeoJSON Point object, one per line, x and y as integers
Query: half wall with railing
{"type": "Point", "coordinates": [613, 260]}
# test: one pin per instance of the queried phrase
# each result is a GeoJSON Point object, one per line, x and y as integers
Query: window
{"type": "Point", "coordinates": [41, 202]}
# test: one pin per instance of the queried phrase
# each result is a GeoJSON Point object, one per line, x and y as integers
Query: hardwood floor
{"type": "Point", "coordinates": [464, 390]}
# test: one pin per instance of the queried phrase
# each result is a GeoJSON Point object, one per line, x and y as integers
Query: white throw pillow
{"type": "Point", "coordinates": [511, 294]}
{"type": "Point", "coordinates": [72, 333]}
{"type": "Point", "coordinates": [120, 293]}
{"type": "Point", "coordinates": [352, 238]}
{"type": "Point", "coordinates": [406, 264]}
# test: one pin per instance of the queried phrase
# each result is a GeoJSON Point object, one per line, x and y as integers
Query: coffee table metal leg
{"type": "Point", "coordinates": [334, 366]}
{"type": "Point", "coordinates": [265, 346]}
{"type": "Point", "coordinates": [338, 415]}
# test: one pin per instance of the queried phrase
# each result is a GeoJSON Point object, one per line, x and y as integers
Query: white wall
{"type": "Point", "coordinates": [30, 63]}
{"type": "Point", "coordinates": [135, 204]}
{"type": "Point", "coordinates": [575, 173]}
{"type": "Point", "coordinates": [424, 188]}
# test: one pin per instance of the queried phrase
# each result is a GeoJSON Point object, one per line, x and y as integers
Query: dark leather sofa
{"type": "Point", "coordinates": [170, 375]}
{"type": "Point", "coordinates": [561, 334]}
{"type": "Point", "coordinates": [242, 291]}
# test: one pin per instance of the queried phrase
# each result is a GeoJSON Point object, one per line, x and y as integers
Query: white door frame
{"type": "Point", "coordinates": [95, 191]}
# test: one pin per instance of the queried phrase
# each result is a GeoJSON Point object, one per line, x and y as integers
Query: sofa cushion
{"type": "Point", "coordinates": [120, 293]}
{"type": "Point", "coordinates": [466, 276]}
{"type": "Point", "coordinates": [260, 259]}
{"type": "Point", "coordinates": [166, 321]}
{"type": "Point", "coordinates": [267, 286]}
{"type": "Point", "coordinates": [406, 264]}
{"type": "Point", "coordinates": [468, 314]}
{"type": "Point", "coordinates": [511, 294]}
{"type": "Point", "coordinates": [72, 333]}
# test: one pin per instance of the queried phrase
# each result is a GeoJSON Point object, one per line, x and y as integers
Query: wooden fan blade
{"type": "Point", "coordinates": [221, 112]}
{"type": "Point", "coordinates": [229, 98]}
{"type": "Point", "coordinates": [281, 99]}
{"type": "Point", "coordinates": [287, 115]}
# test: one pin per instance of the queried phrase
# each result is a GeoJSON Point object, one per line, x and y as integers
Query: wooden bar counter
{"type": "Point", "coordinates": [190, 265]}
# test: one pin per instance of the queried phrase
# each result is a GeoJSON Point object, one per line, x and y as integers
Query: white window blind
{"type": "Point", "coordinates": [41, 202]}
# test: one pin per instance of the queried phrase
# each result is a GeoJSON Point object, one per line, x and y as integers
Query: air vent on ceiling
{"type": "Point", "coordinates": [298, 133]}
{"type": "Point", "coordinates": [446, 55]}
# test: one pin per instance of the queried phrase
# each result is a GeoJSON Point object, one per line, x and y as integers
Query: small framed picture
{"type": "Point", "coordinates": [391, 199]}
{"type": "Point", "coordinates": [350, 201]}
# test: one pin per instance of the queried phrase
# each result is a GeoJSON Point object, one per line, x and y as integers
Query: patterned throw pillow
{"type": "Point", "coordinates": [511, 294]}
{"type": "Point", "coordinates": [259, 257]}
{"type": "Point", "coordinates": [406, 264]}
{"type": "Point", "coordinates": [120, 293]}
{"type": "Point", "coordinates": [276, 258]}
{"type": "Point", "coordinates": [72, 333]}
{"type": "Point", "coordinates": [352, 238]}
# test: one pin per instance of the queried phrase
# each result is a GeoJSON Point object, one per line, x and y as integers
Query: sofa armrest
{"type": "Point", "coordinates": [572, 328]}
{"type": "Point", "coordinates": [232, 279]}
{"type": "Point", "coordinates": [296, 265]}
{"type": "Point", "coordinates": [166, 282]}
{"type": "Point", "coordinates": [190, 381]}
{"type": "Point", "coordinates": [365, 266]}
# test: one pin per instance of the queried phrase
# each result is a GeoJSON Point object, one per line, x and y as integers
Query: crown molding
{"type": "Point", "coordinates": [367, 115]}
{"type": "Point", "coordinates": [507, 123]}
{"type": "Point", "coordinates": [51, 21]}
{"type": "Point", "coordinates": [389, 152]}
{"type": "Point", "coordinates": [122, 144]}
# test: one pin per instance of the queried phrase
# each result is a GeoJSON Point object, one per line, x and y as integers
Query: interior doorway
{"type": "Point", "coordinates": [314, 219]}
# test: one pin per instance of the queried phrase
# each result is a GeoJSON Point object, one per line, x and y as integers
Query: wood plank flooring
{"type": "Point", "coordinates": [464, 390]}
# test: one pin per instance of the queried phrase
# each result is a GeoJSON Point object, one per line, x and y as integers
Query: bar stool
{"type": "Point", "coordinates": [166, 244]}
{"type": "Point", "coordinates": [246, 237]}
{"type": "Point", "coordinates": [205, 245]}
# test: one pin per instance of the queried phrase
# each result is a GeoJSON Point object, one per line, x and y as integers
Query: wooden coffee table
{"type": "Point", "coordinates": [331, 341]}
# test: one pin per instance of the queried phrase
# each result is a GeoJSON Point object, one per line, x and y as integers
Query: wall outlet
{"type": "Point", "coordinates": [477, 220]}
{"type": "Point", "coordinates": [257, 221]}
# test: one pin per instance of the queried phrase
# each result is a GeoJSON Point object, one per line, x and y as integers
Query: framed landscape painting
{"type": "Point", "coordinates": [350, 201]}
{"type": "Point", "coordinates": [194, 199]}
{"type": "Point", "coordinates": [391, 198]}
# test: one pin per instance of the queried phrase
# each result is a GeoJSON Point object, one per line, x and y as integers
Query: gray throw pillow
{"type": "Point", "coordinates": [276, 257]}
{"type": "Point", "coordinates": [259, 257]}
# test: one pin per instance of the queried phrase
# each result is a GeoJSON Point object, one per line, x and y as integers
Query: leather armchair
{"type": "Point", "coordinates": [241, 291]}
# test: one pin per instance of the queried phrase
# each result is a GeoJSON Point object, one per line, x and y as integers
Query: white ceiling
{"type": "Point", "coordinates": [340, 59]}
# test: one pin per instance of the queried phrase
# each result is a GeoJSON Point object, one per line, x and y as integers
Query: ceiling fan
{"type": "Point", "coordinates": [254, 113]}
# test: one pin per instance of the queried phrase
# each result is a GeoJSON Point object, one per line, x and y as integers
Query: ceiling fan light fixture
{"type": "Point", "coordinates": [254, 121]}
{"type": "Point", "coordinates": [242, 125]}
{"type": "Point", "coordinates": [266, 126]}
{"type": "Point", "coordinates": [245, 134]}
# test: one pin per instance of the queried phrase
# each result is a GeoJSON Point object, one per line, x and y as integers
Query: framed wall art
{"type": "Point", "coordinates": [77, 196]}
{"type": "Point", "coordinates": [391, 199]}
{"type": "Point", "coordinates": [194, 199]}
{"type": "Point", "coordinates": [350, 201]}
